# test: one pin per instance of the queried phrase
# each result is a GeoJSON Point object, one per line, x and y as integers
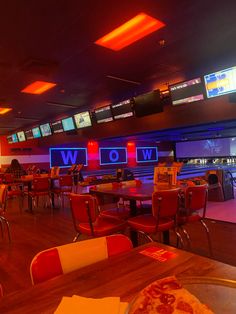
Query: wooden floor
{"type": "Point", "coordinates": [44, 229]}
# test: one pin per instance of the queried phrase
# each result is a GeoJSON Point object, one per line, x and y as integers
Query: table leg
{"type": "Point", "coordinates": [133, 212]}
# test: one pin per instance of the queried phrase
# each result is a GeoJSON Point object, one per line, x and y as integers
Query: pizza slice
{"type": "Point", "coordinates": [167, 296]}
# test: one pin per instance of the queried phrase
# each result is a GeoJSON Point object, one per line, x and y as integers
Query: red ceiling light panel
{"type": "Point", "coordinates": [4, 110]}
{"type": "Point", "coordinates": [138, 27]}
{"type": "Point", "coordinates": [38, 87]}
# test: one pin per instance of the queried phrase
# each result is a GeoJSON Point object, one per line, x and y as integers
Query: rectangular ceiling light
{"type": "Point", "coordinates": [138, 27]}
{"type": "Point", "coordinates": [4, 110]}
{"type": "Point", "coordinates": [38, 87]}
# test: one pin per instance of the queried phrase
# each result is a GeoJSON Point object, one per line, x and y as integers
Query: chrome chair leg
{"type": "Point", "coordinates": [208, 237]}
{"type": "Point", "coordinates": [7, 225]}
{"type": "Point", "coordinates": [185, 232]}
{"type": "Point", "coordinates": [179, 238]}
{"type": "Point", "coordinates": [145, 236]}
{"type": "Point", "coordinates": [76, 237]}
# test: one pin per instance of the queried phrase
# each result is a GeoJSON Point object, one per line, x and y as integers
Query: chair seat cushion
{"type": "Point", "coordinates": [183, 219]}
{"type": "Point", "coordinates": [103, 227]}
{"type": "Point", "coordinates": [148, 224]}
{"type": "Point", "coordinates": [120, 213]}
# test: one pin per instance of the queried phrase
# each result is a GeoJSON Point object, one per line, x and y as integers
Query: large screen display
{"type": "Point", "coordinates": [149, 103]}
{"type": "Point", "coordinates": [21, 136]}
{"type": "Point", "coordinates": [45, 129]}
{"type": "Point", "coordinates": [113, 155]}
{"type": "Point", "coordinates": [82, 119]}
{"type": "Point", "coordinates": [187, 92]}
{"type": "Point", "coordinates": [57, 126]}
{"type": "Point", "coordinates": [36, 132]}
{"type": "Point", "coordinates": [221, 147]}
{"type": "Point", "coordinates": [103, 114]}
{"type": "Point", "coordinates": [122, 109]}
{"type": "Point", "coordinates": [14, 138]}
{"type": "Point", "coordinates": [221, 82]}
{"type": "Point", "coordinates": [29, 134]}
{"type": "Point", "coordinates": [68, 124]}
{"type": "Point", "coordinates": [66, 157]}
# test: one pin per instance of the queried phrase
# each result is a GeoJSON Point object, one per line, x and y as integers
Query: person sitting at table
{"type": "Point", "coordinates": [15, 169]}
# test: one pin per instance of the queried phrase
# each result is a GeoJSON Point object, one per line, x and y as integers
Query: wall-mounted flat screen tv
{"type": "Point", "coordinates": [187, 92]}
{"type": "Point", "coordinates": [122, 110]}
{"type": "Point", "coordinates": [29, 134]}
{"type": "Point", "coordinates": [147, 104]}
{"type": "Point", "coordinates": [45, 129]}
{"type": "Point", "coordinates": [82, 119]}
{"type": "Point", "coordinates": [36, 132]}
{"type": "Point", "coordinates": [57, 126]}
{"type": "Point", "coordinates": [14, 138]}
{"type": "Point", "coordinates": [103, 114]}
{"type": "Point", "coordinates": [21, 136]}
{"type": "Point", "coordinates": [68, 124]}
{"type": "Point", "coordinates": [9, 139]}
{"type": "Point", "coordinates": [221, 82]}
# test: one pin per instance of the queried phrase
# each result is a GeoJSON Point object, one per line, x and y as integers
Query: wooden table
{"type": "Point", "coordinates": [123, 275]}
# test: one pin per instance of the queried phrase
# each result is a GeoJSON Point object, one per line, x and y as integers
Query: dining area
{"type": "Point", "coordinates": [162, 239]}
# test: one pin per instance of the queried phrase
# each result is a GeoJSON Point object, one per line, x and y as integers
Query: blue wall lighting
{"type": "Point", "coordinates": [146, 154]}
{"type": "Point", "coordinates": [65, 157]}
{"type": "Point", "coordinates": [113, 155]}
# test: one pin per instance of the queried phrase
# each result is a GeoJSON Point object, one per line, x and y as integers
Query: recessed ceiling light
{"type": "Point", "coordinates": [4, 110]}
{"type": "Point", "coordinates": [138, 27]}
{"type": "Point", "coordinates": [38, 87]}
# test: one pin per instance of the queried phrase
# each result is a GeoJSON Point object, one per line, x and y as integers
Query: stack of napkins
{"type": "Point", "coordinates": [81, 305]}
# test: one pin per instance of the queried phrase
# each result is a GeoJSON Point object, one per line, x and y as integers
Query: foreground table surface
{"type": "Point", "coordinates": [123, 275]}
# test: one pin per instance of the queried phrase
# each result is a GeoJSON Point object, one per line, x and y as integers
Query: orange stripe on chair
{"type": "Point", "coordinates": [82, 253]}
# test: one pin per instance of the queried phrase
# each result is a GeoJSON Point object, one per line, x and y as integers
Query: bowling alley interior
{"type": "Point", "coordinates": [116, 119]}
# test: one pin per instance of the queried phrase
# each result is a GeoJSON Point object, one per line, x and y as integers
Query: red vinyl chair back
{"type": "Point", "coordinates": [196, 198]}
{"type": "Point", "coordinates": [165, 203]}
{"type": "Point", "coordinates": [1, 291]}
{"type": "Point", "coordinates": [3, 196]}
{"type": "Point", "coordinates": [41, 184]}
{"type": "Point", "coordinates": [67, 258]}
{"type": "Point", "coordinates": [8, 178]}
{"type": "Point", "coordinates": [66, 180]}
{"type": "Point", "coordinates": [81, 205]}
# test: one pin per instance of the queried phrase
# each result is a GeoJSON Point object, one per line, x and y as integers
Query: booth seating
{"type": "Point", "coordinates": [66, 258]}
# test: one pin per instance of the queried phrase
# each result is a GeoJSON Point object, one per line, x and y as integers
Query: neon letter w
{"type": "Point", "coordinates": [147, 154]}
{"type": "Point", "coordinates": [69, 156]}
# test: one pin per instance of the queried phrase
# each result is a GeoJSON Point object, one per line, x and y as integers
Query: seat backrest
{"type": "Point", "coordinates": [165, 203]}
{"type": "Point", "coordinates": [67, 258]}
{"type": "Point", "coordinates": [80, 204]}
{"type": "Point", "coordinates": [1, 291]}
{"type": "Point", "coordinates": [3, 195]}
{"type": "Point", "coordinates": [55, 171]}
{"type": "Point", "coordinates": [41, 184]}
{"type": "Point", "coordinates": [66, 180]}
{"type": "Point", "coordinates": [196, 198]}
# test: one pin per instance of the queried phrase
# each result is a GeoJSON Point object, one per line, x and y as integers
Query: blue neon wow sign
{"type": "Point", "coordinates": [113, 155]}
{"type": "Point", "coordinates": [146, 154]}
{"type": "Point", "coordinates": [65, 157]}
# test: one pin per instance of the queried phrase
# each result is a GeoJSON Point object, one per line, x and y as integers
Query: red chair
{"type": "Point", "coordinates": [41, 187]}
{"type": "Point", "coordinates": [14, 188]}
{"type": "Point", "coordinates": [65, 187]}
{"type": "Point", "coordinates": [165, 205]}
{"type": "Point", "coordinates": [86, 218]}
{"type": "Point", "coordinates": [1, 291]}
{"type": "Point", "coordinates": [3, 221]}
{"type": "Point", "coordinates": [194, 210]}
{"type": "Point", "coordinates": [67, 258]}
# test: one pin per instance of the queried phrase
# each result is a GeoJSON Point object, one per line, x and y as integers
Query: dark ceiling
{"type": "Point", "coordinates": [53, 40]}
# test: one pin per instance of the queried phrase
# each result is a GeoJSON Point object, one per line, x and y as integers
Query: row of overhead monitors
{"type": "Point", "coordinates": [212, 85]}
{"type": "Point", "coordinates": [65, 157]}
